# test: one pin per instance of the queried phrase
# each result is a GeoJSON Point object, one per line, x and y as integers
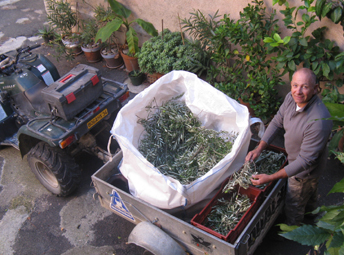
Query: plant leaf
{"type": "Point", "coordinates": [147, 26]}
{"type": "Point", "coordinates": [326, 9]}
{"type": "Point", "coordinates": [286, 228]}
{"type": "Point", "coordinates": [337, 240]}
{"type": "Point", "coordinates": [286, 40]}
{"type": "Point", "coordinates": [132, 40]}
{"type": "Point", "coordinates": [303, 42]}
{"type": "Point", "coordinates": [268, 40]}
{"type": "Point", "coordinates": [325, 68]}
{"type": "Point", "coordinates": [291, 65]}
{"type": "Point", "coordinates": [336, 15]}
{"type": "Point", "coordinates": [105, 32]}
{"type": "Point", "coordinates": [318, 7]}
{"type": "Point", "coordinates": [119, 9]}
{"type": "Point", "coordinates": [277, 37]}
{"type": "Point", "coordinates": [338, 187]}
{"type": "Point", "coordinates": [325, 225]}
{"type": "Point", "coordinates": [308, 235]}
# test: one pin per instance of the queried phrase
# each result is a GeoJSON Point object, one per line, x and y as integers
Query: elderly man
{"type": "Point", "coordinates": [305, 138]}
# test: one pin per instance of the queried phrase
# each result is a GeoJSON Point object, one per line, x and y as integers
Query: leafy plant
{"type": "Point", "coordinates": [315, 52]}
{"type": "Point", "coordinates": [202, 30]}
{"type": "Point", "coordinates": [89, 30]}
{"type": "Point", "coordinates": [135, 73]}
{"type": "Point", "coordinates": [61, 15]}
{"type": "Point", "coordinates": [242, 68]}
{"type": "Point", "coordinates": [121, 18]}
{"type": "Point", "coordinates": [47, 33]}
{"type": "Point", "coordinates": [330, 9]}
{"type": "Point", "coordinates": [328, 231]}
{"type": "Point", "coordinates": [168, 51]}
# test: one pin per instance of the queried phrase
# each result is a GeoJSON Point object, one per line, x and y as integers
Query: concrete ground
{"type": "Point", "coordinates": [32, 221]}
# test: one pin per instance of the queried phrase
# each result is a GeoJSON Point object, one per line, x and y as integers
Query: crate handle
{"type": "Point", "coordinates": [66, 78]}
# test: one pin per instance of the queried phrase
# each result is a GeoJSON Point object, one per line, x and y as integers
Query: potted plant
{"type": "Point", "coordinates": [166, 52]}
{"type": "Point", "coordinates": [110, 50]}
{"type": "Point", "coordinates": [64, 19]}
{"type": "Point", "coordinates": [136, 77]}
{"type": "Point", "coordinates": [89, 46]}
{"type": "Point", "coordinates": [47, 33]}
{"type": "Point", "coordinates": [121, 18]}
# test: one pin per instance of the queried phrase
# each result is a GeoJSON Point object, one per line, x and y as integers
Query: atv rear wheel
{"type": "Point", "coordinates": [54, 168]}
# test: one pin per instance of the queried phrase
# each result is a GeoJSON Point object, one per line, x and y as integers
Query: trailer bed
{"type": "Point", "coordinates": [192, 239]}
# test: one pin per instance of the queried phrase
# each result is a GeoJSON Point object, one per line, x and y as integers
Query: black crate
{"type": "Point", "coordinates": [70, 94]}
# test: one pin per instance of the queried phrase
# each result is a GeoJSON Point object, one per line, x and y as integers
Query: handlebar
{"type": "Point", "coordinates": [28, 48]}
{"type": "Point", "coordinates": [8, 61]}
{"type": "Point", "coordinates": [25, 49]}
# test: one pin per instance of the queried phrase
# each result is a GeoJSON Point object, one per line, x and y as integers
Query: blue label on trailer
{"type": "Point", "coordinates": [118, 206]}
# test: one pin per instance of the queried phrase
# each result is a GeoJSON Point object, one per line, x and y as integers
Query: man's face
{"type": "Point", "coordinates": [302, 89]}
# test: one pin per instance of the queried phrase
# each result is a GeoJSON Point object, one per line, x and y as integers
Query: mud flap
{"type": "Point", "coordinates": [155, 240]}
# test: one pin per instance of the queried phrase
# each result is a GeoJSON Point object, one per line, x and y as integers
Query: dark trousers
{"type": "Point", "coordinates": [301, 198]}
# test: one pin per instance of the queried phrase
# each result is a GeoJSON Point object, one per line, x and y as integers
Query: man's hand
{"type": "Point", "coordinates": [252, 155]}
{"type": "Point", "coordinates": [259, 179]}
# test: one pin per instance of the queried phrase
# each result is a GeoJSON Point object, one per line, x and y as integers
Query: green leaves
{"type": "Point", "coordinates": [325, 68]}
{"type": "Point", "coordinates": [329, 229]}
{"type": "Point", "coordinates": [147, 26]}
{"type": "Point", "coordinates": [132, 40]}
{"type": "Point", "coordinates": [338, 187]}
{"type": "Point", "coordinates": [122, 13]}
{"type": "Point", "coordinates": [105, 32]}
{"type": "Point", "coordinates": [308, 235]}
{"type": "Point", "coordinates": [119, 9]}
{"type": "Point", "coordinates": [326, 9]}
{"type": "Point", "coordinates": [336, 15]}
{"type": "Point", "coordinates": [318, 7]}
{"type": "Point", "coordinates": [176, 144]}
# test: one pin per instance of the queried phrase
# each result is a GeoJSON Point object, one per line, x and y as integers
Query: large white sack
{"type": "Point", "coordinates": [214, 109]}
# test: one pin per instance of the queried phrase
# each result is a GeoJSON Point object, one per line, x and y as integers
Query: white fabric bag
{"type": "Point", "coordinates": [214, 109]}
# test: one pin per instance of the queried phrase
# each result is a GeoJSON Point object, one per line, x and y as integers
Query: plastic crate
{"type": "Point", "coordinates": [200, 219]}
{"type": "Point", "coordinates": [70, 94]}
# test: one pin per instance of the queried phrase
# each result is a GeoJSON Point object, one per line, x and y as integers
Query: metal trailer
{"type": "Point", "coordinates": [160, 232]}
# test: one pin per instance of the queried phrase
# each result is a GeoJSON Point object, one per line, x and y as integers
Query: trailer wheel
{"type": "Point", "coordinates": [54, 168]}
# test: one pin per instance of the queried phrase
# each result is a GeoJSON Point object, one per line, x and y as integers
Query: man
{"type": "Point", "coordinates": [305, 139]}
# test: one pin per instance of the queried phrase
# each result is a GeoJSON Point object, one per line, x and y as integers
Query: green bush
{"type": "Point", "coordinates": [168, 51]}
{"type": "Point", "coordinates": [242, 66]}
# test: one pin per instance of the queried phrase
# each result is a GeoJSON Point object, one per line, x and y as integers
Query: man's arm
{"type": "Point", "coordinates": [259, 179]}
{"type": "Point", "coordinates": [252, 155]}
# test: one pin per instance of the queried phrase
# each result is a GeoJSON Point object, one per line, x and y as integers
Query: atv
{"type": "Point", "coordinates": [51, 118]}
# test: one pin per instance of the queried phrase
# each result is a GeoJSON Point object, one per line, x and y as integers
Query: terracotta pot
{"type": "Point", "coordinates": [92, 54]}
{"type": "Point", "coordinates": [151, 78]}
{"type": "Point", "coordinates": [248, 107]}
{"type": "Point", "coordinates": [131, 63]}
{"type": "Point", "coordinates": [113, 60]}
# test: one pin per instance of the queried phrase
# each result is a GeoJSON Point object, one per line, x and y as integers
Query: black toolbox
{"type": "Point", "coordinates": [70, 94]}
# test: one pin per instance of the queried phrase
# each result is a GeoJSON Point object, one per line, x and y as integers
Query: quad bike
{"type": "Point", "coordinates": [51, 118]}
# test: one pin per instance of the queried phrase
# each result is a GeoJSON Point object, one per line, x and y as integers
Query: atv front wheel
{"type": "Point", "coordinates": [55, 169]}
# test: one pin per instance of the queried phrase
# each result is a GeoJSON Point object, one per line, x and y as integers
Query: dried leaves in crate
{"type": "Point", "coordinates": [267, 163]}
{"type": "Point", "coordinates": [227, 213]}
{"type": "Point", "coordinates": [177, 144]}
